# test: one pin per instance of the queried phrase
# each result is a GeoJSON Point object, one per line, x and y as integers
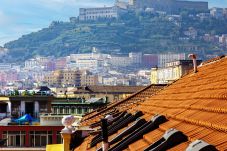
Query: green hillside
{"type": "Point", "coordinates": [143, 32]}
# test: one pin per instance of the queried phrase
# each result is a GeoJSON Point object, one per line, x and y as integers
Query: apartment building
{"type": "Point", "coordinates": [169, 57]}
{"type": "Point", "coordinates": [89, 80]}
{"type": "Point", "coordinates": [217, 12]}
{"type": "Point", "coordinates": [71, 78]}
{"type": "Point", "coordinates": [54, 79]}
{"type": "Point", "coordinates": [31, 63]}
{"type": "Point", "coordinates": [5, 66]}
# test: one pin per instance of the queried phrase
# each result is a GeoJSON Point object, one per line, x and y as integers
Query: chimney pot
{"type": "Point", "coordinates": [193, 57]}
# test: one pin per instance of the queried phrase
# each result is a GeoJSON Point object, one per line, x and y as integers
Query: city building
{"type": "Point", "coordinates": [109, 80]}
{"type": "Point", "coordinates": [99, 13]}
{"type": "Point", "coordinates": [217, 12]}
{"type": "Point", "coordinates": [27, 138]}
{"type": "Point", "coordinates": [112, 93]}
{"type": "Point", "coordinates": [136, 57]}
{"type": "Point", "coordinates": [76, 106]}
{"type": "Point", "coordinates": [5, 66]}
{"type": "Point", "coordinates": [169, 6]}
{"type": "Point", "coordinates": [150, 60]}
{"type": "Point", "coordinates": [89, 79]}
{"type": "Point", "coordinates": [71, 78]}
{"type": "Point", "coordinates": [60, 63]}
{"type": "Point", "coordinates": [165, 58]}
{"type": "Point", "coordinates": [171, 72]}
{"type": "Point", "coordinates": [89, 63]}
{"type": "Point", "coordinates": [47, 113]}
{"type": "Point", "coordinates": [223, 39]}
{"type": "Point", "coordinates": [120, 61]}
{"type": "Point", "coordinates": [54, 78]}
{"type": "Point", "coordinates": [96, 56]}
{"type": "Point", "coordinates": [21, 105]}
{"type": "Point", "coordinates": [144, 73]}
{"type": "Point", "coordinates": [70, 106]}
{"type": "Point", "coordinates": [31, 63]}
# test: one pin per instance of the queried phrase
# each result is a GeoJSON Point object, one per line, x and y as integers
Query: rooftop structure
{"type": "Point", "coordinates": [172, 71]}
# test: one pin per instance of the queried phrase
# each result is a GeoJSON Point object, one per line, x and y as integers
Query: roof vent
{"type": "Point", "coordinates": [200, 145]}
{"type": "Point", "coordinates": [158, 119]}
{"type": "Point", "coordinates": [126, 132]}
{"type": "Point", "coordinates": [121, 123]}
{"type": "Point", "coordinates": [138, 113]}
{"type": "Point", "coordinates": [171, 138]}
{"type": "Point", "coordinates": [129, 130]}
{"type": "Point", "coordinates": [193, 57]}
{"type": "Point", "coordinates": [139, 132]}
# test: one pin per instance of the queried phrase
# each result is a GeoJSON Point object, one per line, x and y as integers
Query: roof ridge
{"type": "Point", "coordinates": [213, 60]}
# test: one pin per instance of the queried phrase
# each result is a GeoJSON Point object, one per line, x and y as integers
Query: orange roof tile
{"type": "Point", "coordinates": [195, 105]}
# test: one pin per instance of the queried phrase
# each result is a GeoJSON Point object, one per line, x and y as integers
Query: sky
{"type": "Point", "coordinates": [19, 17]}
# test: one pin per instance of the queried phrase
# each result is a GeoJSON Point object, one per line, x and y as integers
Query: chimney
{"type": "Point", "coordinates": [105, 144]}
{"type": "Point", "coordinates": [193, 57]}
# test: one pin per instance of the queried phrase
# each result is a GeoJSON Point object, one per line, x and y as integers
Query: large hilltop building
{"type": "Point", "coordinates": [99, 13]}
{"type": "Point", "coordinates": [169, 6]}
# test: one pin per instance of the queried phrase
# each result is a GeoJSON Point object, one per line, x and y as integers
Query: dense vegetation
{"type": "Point", "coordinates": [145, 32]}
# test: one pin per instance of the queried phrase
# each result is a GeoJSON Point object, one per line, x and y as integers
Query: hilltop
{"type": "Point", "coordinates": [145, 32]}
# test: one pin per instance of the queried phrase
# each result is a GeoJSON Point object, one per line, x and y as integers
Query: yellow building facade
{"type": "Point", "coordinates": [171, 72]}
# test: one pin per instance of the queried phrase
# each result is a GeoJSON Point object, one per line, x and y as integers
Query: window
{"type": "Point", "coordinates": [3, 108]}
{"type": "Point", "coordinates": [40, 138]}
{"type": "Point", "coordinates": [14, 138]}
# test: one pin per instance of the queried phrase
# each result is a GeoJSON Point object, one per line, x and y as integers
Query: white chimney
{"type": "Point", "coordinates": [193, 57]}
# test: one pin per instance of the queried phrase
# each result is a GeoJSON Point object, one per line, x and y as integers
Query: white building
{"type": "Point", "coordinates": [217, 12]}
{"type": "Point", "coordinates": [136, 57]}
{"type": "Point", "coordinates": [31, 63]}
{"type": "Point", "coordinates": [5, 66]}
{"type": "Point", "coordinates": [144, 73]}
{"type": "Point", "coordinates": [89, 63]}
{"type": "Point", "coordinates": [75, 57]}
{"type": "Point", "coordinates": [165, 58]}
{"type": "Point", "coordinates": [223, 39]}
{"type": "Point", "coordinates": [99, 12]}
{"type": "Point", "coordinates": [120, 61]}
{"type": "Point", "coordinates": [109, 80]}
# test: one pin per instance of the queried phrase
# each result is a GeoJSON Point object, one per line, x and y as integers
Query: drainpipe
{"type": "Point", "coordinates": [193, 57]}
{"type": "Point", "coordinates": [105, 144]}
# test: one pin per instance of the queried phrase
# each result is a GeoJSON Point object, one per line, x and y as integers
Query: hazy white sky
{"type": "Point", "coordinates": [18, 17]}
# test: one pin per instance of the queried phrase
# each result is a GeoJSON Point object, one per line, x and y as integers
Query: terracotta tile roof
{"type": "Point", "coordinates": [121, 105]}
{"type": "Point", "coordinates": [196, 105]}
